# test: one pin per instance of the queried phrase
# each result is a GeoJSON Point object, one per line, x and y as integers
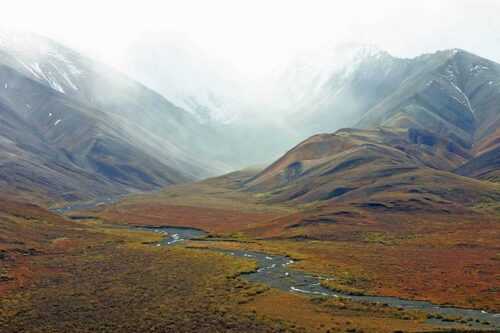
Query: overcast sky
{"type": "Point", "coordinates": [256, 35]}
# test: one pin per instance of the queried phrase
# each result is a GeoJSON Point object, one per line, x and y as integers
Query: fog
{"type": "Point", "coordinates": [256, 36]}
{"type": "Point", "coordinates": [237, 50]}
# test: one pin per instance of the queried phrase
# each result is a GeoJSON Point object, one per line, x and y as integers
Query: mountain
{"type": "Point", "coordinates": [188, 77]}
{"type": "Point", "coordinates": [364, 87]}
{"type": "Point", "coordinates": [348, 85]}
{"type": "Point", "coordinates": [354, 162]}
{"type": "Point", "coordinates": [77, 129]}
{"type": "Point", "coordinates": [424, 136]}
{"type": "Point", "coordinates": [217, 94]}
{"type": "Point", "coordinates": [452, 93]}
{"type": "Point", "coordinates": [304, 78]}
{"type": "Point", "coordinates": [328, 89]}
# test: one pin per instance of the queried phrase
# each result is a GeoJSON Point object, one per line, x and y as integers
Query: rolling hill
{"type": "Point", "coordinates": [359, 166]}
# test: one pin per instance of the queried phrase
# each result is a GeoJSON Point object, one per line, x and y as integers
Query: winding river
{"type": "Point", "coordinates": [274, 271]}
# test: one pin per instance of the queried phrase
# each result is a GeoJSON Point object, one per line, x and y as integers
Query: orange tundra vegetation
{"type": "Point", "coordinates": [447, 257]}
{"type": "Point", "coordinates": [62, 276]}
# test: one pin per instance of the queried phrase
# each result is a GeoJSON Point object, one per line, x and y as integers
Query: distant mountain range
{"type": "Point", "coordinates": [74, 129]}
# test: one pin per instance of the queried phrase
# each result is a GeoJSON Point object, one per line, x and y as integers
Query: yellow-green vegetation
{"type": "Point", "coordinates": [223, 192]}
{"type": "Point", "coordinates": [343, 286]}
{"type": "Point", "coordinates": [378, 237]}
{"type": "Point", "coordinates": [337, 315]}
{"type": "Point", "coordinates": [402, 270]}
{"type": "Point", "coordinates": [339, 304]}
{"type": "Point", "coordinates": [213, 205]}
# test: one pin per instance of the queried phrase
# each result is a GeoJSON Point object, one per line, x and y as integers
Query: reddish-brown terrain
{"type": "Point", "coordinates": [436, 246]}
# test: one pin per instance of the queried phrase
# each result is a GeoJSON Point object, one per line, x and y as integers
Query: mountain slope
{"type": "Point", "coordinates": [486, 162]}
{"type": "Point", "coordinates": [76, 129]}
{"type": "Point", "coordinates": [450, 92]}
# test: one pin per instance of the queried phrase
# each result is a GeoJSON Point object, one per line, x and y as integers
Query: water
{"type": "Point", "coordinates": [173, 235]}
{"type": "Point", "coordinates": [274, 271]}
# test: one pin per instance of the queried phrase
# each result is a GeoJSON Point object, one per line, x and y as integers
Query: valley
{"type": "Point", "coordinates": [379, 252]}
{"type": "Point", "coordinates": [58, 261]}
{"type": "Point", "coordinates": [273, 271]}
{"type": "Point", "coordinates": [353, 191]}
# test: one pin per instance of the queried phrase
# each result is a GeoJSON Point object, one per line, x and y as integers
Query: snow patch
{"type": "Point", "coordinates": [37, 71]}
{"type": "Point", "coordinates": [68, 80]}
{"type": "Point", "coordinates": [464, 99]}
{"type": "Point", "coordinates": [55, 85]}
{"type": "Point", "coordinates": [68, 63]}
{"type": "Point", "coordinates": [450, 73]}
{"type": "Point", "coordinates": [478, 68]}
{"type": "Point", "coordinates": [30, 69]}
